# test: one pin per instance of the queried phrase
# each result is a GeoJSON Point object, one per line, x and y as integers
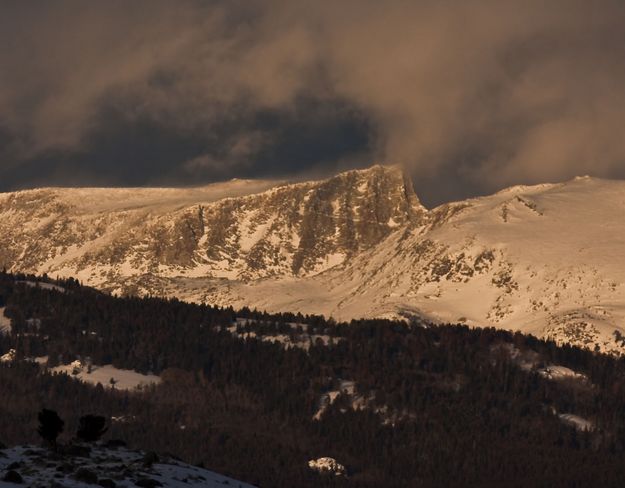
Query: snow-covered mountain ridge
{"type": "Point", "coordinates": [544, 259]}
{"type": "Point", "coordinates": [106, 235]}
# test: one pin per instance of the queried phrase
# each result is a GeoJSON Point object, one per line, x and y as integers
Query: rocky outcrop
{"type": "Point", "coordinates": [327, 465]}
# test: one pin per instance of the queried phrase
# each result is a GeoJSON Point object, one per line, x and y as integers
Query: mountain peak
{"type": "Point", "coordinates": [378, 168]}
{"type": "Point", "coordinates": [222, 231]}
{"type": "Point", "coordinates": [390, 174]}
{"type": "Point", "coordinates": [392, 171]}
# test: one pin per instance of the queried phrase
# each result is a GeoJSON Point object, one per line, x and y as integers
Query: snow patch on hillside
{"type": "Point", "coordinates": [122, 379]}
{"type": "Point", "coordinates": [345, 387]}
{"type": "Point", "coordinates": [5, 322]}
{"type": "Point", "coordinates": [43, 285]}
{"type": "Point", "coordinates": [576, 421]}
{"type": "Point", "coordinates": [302, 341]}
{"type": "Point", "coordinates": [557, 373]}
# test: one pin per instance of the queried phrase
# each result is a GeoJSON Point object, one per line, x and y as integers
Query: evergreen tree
{"type": "Point", "coordinates": [91, 428]}
{"type": "Point", "coordinates": [50, 426]}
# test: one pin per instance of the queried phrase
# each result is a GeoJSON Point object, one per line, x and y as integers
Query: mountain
{"type": "Point", "coordinates": [543, 259]}
{"type": "Point", "coordinates": [104, 464]}
{"type": "Point", "coordinates": [106, 235]}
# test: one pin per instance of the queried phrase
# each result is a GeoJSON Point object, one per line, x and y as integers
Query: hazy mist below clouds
{"type": "Point", "coordinates": [470, 95]}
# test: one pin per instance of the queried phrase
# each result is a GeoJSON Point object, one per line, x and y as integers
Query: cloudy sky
{"type": "Point", "coordinates": [470, 95]}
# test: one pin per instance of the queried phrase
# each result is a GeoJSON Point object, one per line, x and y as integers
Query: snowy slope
{"type": "Point", "coordinates": [545, 259]}
{"type": "Point", "coordinates": [124, 467]}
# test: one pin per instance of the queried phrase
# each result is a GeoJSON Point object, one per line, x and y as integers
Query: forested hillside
{"type": "Point", "coordinates": [256, 396]}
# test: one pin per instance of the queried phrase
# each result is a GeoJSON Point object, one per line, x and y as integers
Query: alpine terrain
{"type": "Point", "coordinates": [542, 259]}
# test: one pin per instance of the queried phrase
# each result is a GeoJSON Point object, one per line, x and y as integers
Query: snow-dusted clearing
{"type": "Point", "coordinates": [303, 341]}
{"type": "Point", "coordinates": [299, 336]}
{"type": "Point", "coordinates": [107, 375]}
{"type": "Point", "coordinates": [123, 466]}
{"type": "Point", "coordinates": [5, 322]}
{"type": "Point", "coordinates": [530, 360]}
{"type": "Point", "coordinates": [43, 285]}
{"type": "Point", "coordinates": [576, 421]}
{"type": "Point", "coordinates": [123, 379]}
{"type": "Point", "coordinates": [346, 387]}
{"type": "Point", "coordinates": [555, 372]}
{"type": "Point", "coordinates": [357, 401]}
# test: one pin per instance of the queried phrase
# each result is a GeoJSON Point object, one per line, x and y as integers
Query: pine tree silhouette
{"type": "Point", "coordinates": [91, 428]}
{"type": "Point", "coordinates": [50, 426]}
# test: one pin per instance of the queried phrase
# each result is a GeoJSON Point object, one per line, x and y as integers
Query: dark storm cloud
{"type": "Point", "coordinates": [471, 95]}
{"type": "Point", "coordinates": [142, 151]}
